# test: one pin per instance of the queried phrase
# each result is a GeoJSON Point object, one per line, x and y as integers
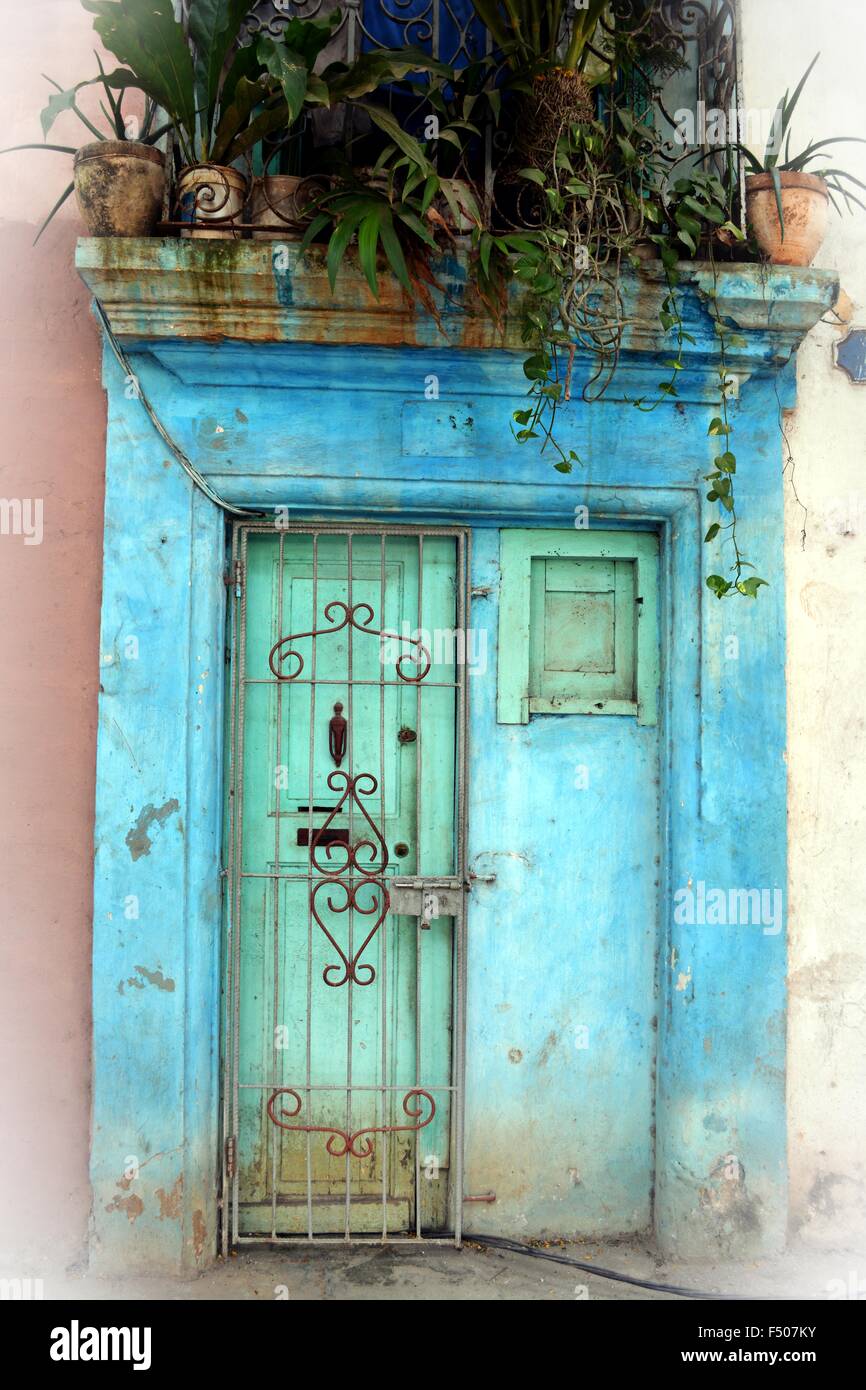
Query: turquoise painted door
{"type": "Point", "coordinates": [347, 710]}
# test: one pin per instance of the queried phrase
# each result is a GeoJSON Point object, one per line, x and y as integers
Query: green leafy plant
{"type": "Point", "coordinates": [694, 211]}
{"type": "Point", "coordinates": [392, 209]}
{"type": "Point", "coordinates": [777, 158]}
{"type": "Point", "coordinates": [607, 190]}
{"type": "Point", "coordinates": [601, 199]}
{"type": "Point", "coordinates": [721, 482]}
{"type": "Point", "coordinates": [545, 74]}
{"type": "Point", "coordinates": [220, 98]}
{"type": "Point", "coordinates": [598, 192]}
{"type": "Point", "coordinates": [608, 193]}
{"type": "Point", "coordinates": [529, 33]}
{"type": "Point", "coordinates": [722, 479]}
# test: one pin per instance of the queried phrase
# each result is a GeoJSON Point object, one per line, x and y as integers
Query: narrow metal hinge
{"type": "Point", "coordinates": [231, 1155]}
{"type": "Point", "coordinates": [235, 577]}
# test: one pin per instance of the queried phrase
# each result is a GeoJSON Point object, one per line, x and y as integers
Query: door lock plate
{"type": "Point", "coordinates": [427, 901]}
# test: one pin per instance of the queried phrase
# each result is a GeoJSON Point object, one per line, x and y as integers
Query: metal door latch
{"type": "Point", "coordinates": [429, 909]}
{"type": "Point", "coordinates": [412, 897]}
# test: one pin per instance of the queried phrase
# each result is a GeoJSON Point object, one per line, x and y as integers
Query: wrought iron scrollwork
{"type": "Point", "coordinates": [283, 651]}
{"type": "Point", "coordinates": [355, 1143]}
{"type": "Point", "coordinates": [379, 903]}
{"type": "Point", "coordinates": [273, 16]}
{"type": "Point", "coordinates": [367, 857]}
{"type": "Point", "coordinates": [702, 33]}
{"type": "Point", "coordinates": [699, 35]}
{"type": "Point", "coordinates": [353, 788]}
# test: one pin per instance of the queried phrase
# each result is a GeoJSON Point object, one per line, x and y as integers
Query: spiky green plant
{"type": "Point", "coordinates": [115, 85]}
{"type": "Point", "coordinates": [777, 158]}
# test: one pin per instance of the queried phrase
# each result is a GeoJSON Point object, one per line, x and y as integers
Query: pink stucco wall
{"type": "Point", "coordinates": [52, 414]}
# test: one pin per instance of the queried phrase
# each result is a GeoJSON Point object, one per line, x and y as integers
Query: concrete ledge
{"type": "Point", "coordinates": [167, 288]}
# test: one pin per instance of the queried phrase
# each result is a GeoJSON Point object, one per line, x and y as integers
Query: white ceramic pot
{"type": "Point", "coordinates": [211, 193]}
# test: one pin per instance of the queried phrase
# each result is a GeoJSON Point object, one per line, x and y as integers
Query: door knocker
{"type": "Point", "coordinates": [337, 734]}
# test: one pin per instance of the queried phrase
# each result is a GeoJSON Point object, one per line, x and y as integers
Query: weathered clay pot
{"type": "Point", "coordinates": [282, 201]}
{"type": "Point", "coordinates": [211, 193]}
{"type": "Point", "coordinates": [805, 207]}
{"type": "Point", "coordinates": [119, 185]}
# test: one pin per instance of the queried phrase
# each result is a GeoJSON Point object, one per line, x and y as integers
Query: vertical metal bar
{"type": "Point", "coordinates": [239, 849]}
{"type": "Point", "coordinates": [229, 939]}
{"type": "Point", "coordinates": [383, 946]}
{"type": "Point", "coordinates": [351, 36]}
{"type": "Point", "coordinates": [351, 879]}
{"type": "Point", "coordinates": [458, 1064]}
{"type": "Point", "coordinates": [418, 870]}
{"type": "Point", "coordinates": [277, 1078]}
{"type": "Point", "coordinates": [311, 798]}
{"type": "Point", "coordinates": [488, 144]}
{"type": "Point", "coordinates": [740, 106]}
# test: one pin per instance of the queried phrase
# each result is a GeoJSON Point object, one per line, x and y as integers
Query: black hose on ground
{"type": "Point", "coordinates": [516, 1248]}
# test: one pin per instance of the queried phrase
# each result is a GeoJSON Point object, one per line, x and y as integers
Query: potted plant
{"type": "Point", "coordinates": [223, 98]}
{"type": "Point", "coordinates": [287, 200]}
{"type": "Point", "coordinates": [218, 97]}
{"type": "Point", "coordinates": [281, 196]}
{"type": "Point", "coordinates": [555, 53]}
{"type": "Point", "coordinates": [391, 210]}
{"type": "Point", "coordinates": [786, 203]}
{"type": "Point", "coordinates": [550, 77]}
{"type": "Point", "coordinates": [118, 179]}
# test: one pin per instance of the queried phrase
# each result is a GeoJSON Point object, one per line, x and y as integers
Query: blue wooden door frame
{"type": "Point", "coordinates": [258, 422]}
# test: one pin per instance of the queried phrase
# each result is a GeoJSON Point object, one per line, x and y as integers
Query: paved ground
{"type": "Point", "coordinates": [476, 1273]}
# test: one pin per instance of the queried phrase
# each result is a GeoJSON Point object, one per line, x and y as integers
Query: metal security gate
{"type": "Point", "coordinates": [344, 948]}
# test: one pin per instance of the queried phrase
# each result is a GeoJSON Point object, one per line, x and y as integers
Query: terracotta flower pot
{"type": "Point", "coordinates": [282, 201]}
{"type": "Point", "coordinates": [806, 209]}
{"type": "Point", "coordinates": [211, 193]}
{"type": "Point", "coordinates": [119, 185]}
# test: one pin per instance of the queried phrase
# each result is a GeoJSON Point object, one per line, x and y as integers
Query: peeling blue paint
{"type": "Point", "coordinates": [694, 1010]}
{"type": "Point", "coordinates": [138, 839]}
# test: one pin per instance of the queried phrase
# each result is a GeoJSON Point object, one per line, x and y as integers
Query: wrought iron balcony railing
{"type": "Point", "coordinates": [703, 31]}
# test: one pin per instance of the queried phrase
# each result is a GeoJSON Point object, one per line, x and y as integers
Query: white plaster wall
{"type": "Point", "coordinates": [826, 578]}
